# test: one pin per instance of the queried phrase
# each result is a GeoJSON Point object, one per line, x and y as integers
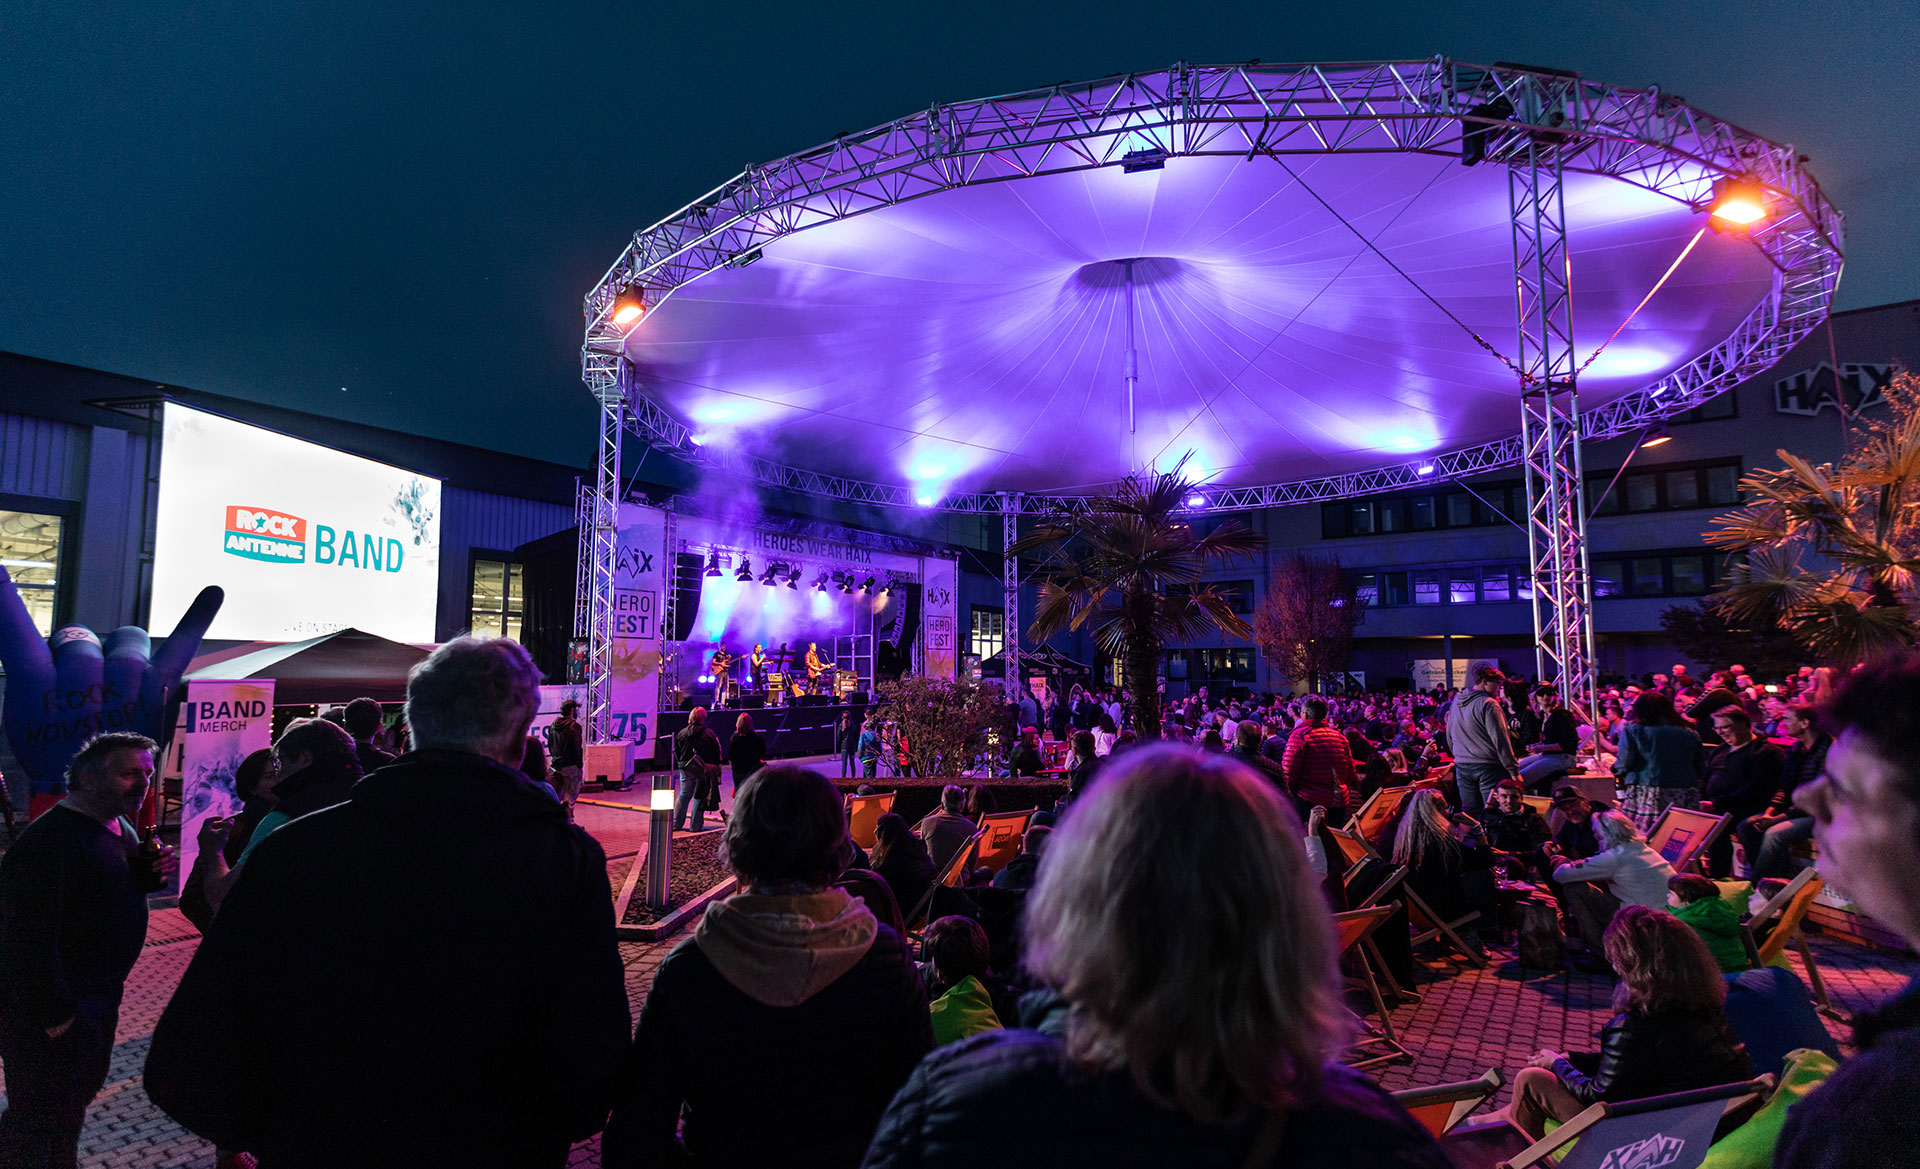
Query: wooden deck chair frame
{"type": "Point", "coordinates": [1437, 927]}
{"type": "Point", "coordinates": [1378, 811]}
{"type": "Point", "coordinates": [949, 876]}
{"type": "Point", "coordinates": [1354, 849]}
{"type": "Point", "coordinates": [1443, 1106]}
{"type": "Point", "coordinates": [1004, 832]}
{"type": "Point", "coordinates": [1737, 1096]}
{"type": "Point", "coordinates": [1540, 804]}
{"type": "Point", "coordinates": [1381, 892]}
{"type": "Point", "coordinates": [861, 820]}
{"type": "Point", "coordinates": [1356, 927]}
{"type": "Point", "coordinates": [1781, 917]}
{"type": "Point", "coordinates": [1707, 829]}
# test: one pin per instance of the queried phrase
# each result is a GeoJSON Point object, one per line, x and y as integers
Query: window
{"type": "Point", "coordinates": [1366, 589]}
{"type": "Point", "coordinates": [1495, 585]}
{"type": "Point", "coordinates": [1608, 504]}
{"type": "Point", "coordinates": [1717, 408]}
{"type": "Point", "coordinates": [1683, 489]}
{"type": "Point", "coordinates": [1423, 511]}
{"type": "Point", "coordinates": [1689, 575]}
{"type": "Point", "coordinates": [30, 550]}
{"type": "Point", "coordinates": [1642, 491]}
{"type": "Point", "coordinates": [1392, 514]}
{"type": "Point", "coordinates": [1426, 586]}
{"type": "Point", "coordinates": [1461, 591]}
{"type": "Point", "coordinates": [1649, 578]}
{"type": "Point", "coordinates": [1723, 485]}
{"type": "Point", "coordinates": [498, 594]}
{"type": "Point", "coordinates": [1460, 510]}
{"type": "Point", "coordinates": [1606, 578]}
{"type": "Point", "coordinates": [989, 633]}
{"type": "Point", "coordinates": [1393, 588]}
{"type": "Point", "coordinates": [1360, 518]}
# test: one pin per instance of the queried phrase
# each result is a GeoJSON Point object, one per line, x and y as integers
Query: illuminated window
{"type": "Point", "coordinates": [989, 634]}
{"type": "Point", "coordinates": [30, 550]}
{"type": "Point", "coordinates": [498, 595]}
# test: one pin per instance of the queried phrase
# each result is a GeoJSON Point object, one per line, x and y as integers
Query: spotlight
{"type": "Point", "coordinates": [767, 577]}
{"type": "Point", "coordinates": [1152, 158]}
{"type": "Point", "coordinates": [923, 500]}
{"type": "Point", "coordinates": [1424, 469]}
{"type": "Point", "coordinates": [744, 573]}
{"type": "Point", "coordinates": [1196, 500]}
{"type": "Point", "coordinates": [793, 580]}
{"type": "Point", "coordinates": [820, 584]}
{"type": "Point", "coordinates": [1477, 138]}
{"type": "Point", "coordinates": [889, 588]}
{"type": "Point", "coordinates": [1739, 202]}
{"type": "Point", "coordinates": [1655, 436]}
{"type": "Point", "coordinates": [628, 306]}
{"type": "Point", "coordinates": [867, 587]}
{"type": "Point", "coordinates": [846, 585]}
{"type": "Point", "coordinates": [744, 259]}
{"type": "Point", "coordinates": [713, 564]}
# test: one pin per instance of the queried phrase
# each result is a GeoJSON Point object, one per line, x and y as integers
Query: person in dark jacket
{"type": "Point", "coordinates": [1743, 777]}
{"type": "Point", "coordinates": [1447, 865]}
{"type": "Point", "coordinates": [1514, 831]}
{"type": "Point", "coordinates": [779, 1031]}
{"type": "Point", "coordinates": [696, 752]}
{"type": "Point", "coordinates": [1182, 1062]}
{"type": "Point", "coordinates": [902, 860]}
{"type": "Point", "coordinates": [423, 975]}
{"type": "Point", "coordinates": [1671, 1033]}
{"type": "Point", "coordinates": [364, 720]}
{"type": "Point", "coordinates": [1025, 758]}
{"type": "Point", "coordinates": [1022, 871]}
{"type": "Point", "coordinates": [846, 743]}
{"type": "Point", "coordinates": [1866, 813]}
{"type": "Point", "coordinates": [747, 752]}
{"type": "Point", "coordinates": [1768, 837]}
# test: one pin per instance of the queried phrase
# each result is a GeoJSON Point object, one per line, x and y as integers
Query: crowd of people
{"type": "Point", "coordinates": [412, 960]}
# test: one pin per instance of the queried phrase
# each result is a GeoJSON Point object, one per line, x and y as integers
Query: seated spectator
{"type": "Point", "coordinates": [1211, 742]}
{"type": "Point", "coordinates": [1768, 837]}
{"type": "Point", "coordinates": [1082, 764]}
{"type": "Point", "coordinates": [1633, 872]}
{"type": "Point", "coordinates": [1696, 900]}
{"type": "Point", "coordinates": [1025, 757]}
{"type": "Point", "coordinates": [956, 950]}
{"type": "Point", "coordinates": [1743, 778]}
{"type": "Point", "coordinates": [1398, 774]}
{"type": "Point", "coordinates": [1670, 1033]}
{"type": "Point", "coordinates": [947, 829]}
{"type": "Point", "coordinates": [900, 857]}
{"type": "Point", "coordinates": [779, 1031]}
{"type": "Point", "coordinates": [1574, 838]}
{"type": "Point", "coordinates": [1177, 919]}
{"type": "Point", "coordinates": [1551, 755]}
{"type": "Point", "coordinates": [1104, 733]}
{"type": "Point", "coordinates": [979, 802]}
{"type": "Point", "coordinates": [1246, 748]}
{"type": "Point", "coordinates": [1514, 831]}
{"type": "Point", "coordinates": [1023, 870]}
{"type": "Point", "coordinates": [1446, 865]}
{"type": "Point", "coordinates": [1866, 813]}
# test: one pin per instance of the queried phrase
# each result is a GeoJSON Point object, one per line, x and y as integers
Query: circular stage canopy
{"type": "Point", "coordinates": [1312, 293]}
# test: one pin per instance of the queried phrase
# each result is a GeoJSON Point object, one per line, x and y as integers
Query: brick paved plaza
{"type": "Point", "coordinates": [1467, 1020]}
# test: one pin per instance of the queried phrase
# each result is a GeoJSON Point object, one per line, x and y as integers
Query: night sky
{"type": "Point", "coordinates": [390, 212]}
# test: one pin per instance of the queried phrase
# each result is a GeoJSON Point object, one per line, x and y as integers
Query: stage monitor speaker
{"type": "Point", "coordinates": [816, 700]}
{"type": "Point", "coordinates": [753, 702]}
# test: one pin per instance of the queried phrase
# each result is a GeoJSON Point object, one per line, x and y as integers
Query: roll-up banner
{"type": "Point", "coordinates": [221, 723]}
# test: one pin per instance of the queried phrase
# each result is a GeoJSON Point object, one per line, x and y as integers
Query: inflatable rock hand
{"type": "Point", "coordinates": [59, 695]}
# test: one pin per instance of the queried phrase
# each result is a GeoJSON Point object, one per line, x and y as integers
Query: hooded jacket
{"type": "Point", "coordinates": [423, 975]}
{"type": "Point", "coordinates": [1477, 732]}
{"type": "Point", "coordinates": [1717, 921]}
{"type": "Point", "coordinates": [780, 1031]}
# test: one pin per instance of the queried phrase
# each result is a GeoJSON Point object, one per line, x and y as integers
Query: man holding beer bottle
{"type": "Point", "coordinates": [73, 918]}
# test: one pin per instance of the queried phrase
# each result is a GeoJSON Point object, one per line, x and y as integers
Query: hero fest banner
{"type": "Point", "coordinates": [638, 572]}
{"type": "Point", "coordinates": [221, 723]}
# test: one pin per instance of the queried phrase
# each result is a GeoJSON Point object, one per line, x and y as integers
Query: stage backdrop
{"type": "Point", "coordinates": [221, 723]}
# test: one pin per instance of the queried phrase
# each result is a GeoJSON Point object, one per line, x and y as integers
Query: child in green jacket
{"type": "Point", "coordinates": [1697, 901]}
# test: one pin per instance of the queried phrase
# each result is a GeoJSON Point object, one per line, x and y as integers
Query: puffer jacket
{"type": "Point", "coordinates": [1012, 1099]}
{"type": "Point", "coordinates": [1318, 765]}
{"type": "Point", "coordinates": [1651, 1055]}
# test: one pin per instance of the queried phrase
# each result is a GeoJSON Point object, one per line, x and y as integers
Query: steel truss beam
{"type": "Point", "coordinates": [1010, 507]}
{"type": "Point", "coordinates": [1549, 409]}
{"type": "Point", "coordinates": [1644, 137]}
{"type": "Point", "coordinates": [599, 536]}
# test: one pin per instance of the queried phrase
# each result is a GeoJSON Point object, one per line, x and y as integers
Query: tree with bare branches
{"type": "Point", "coordinates": [1126, 568]}
{"type": "Point", "coordinates": [1305, 622]}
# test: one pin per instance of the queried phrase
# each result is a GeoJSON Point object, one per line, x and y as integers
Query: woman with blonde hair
{"type": "Point", "coordinates": [1447, 865]}
{"type": "Point", "coordinates": [1178, 920]}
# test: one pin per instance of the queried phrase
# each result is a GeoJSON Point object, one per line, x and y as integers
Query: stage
{"type": "Point", "coordinates": [803, 727]}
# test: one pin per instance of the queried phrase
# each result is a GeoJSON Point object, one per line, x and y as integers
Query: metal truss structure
{"type": "Point", "coordinates": [1010, 584]}
{"type": "Point", "coordinates": [1542, 124]}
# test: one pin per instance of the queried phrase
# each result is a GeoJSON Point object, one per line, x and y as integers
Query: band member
{"type": "Point", "coordinates": [815, 667]}
{"type": "Point", "coordinates": [722, 667]}
{"type": "Point", "coordinates": [757, 666]}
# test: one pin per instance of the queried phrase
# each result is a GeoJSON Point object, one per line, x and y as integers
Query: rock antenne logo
{"type": "Point", "coordinates": [259, 533]}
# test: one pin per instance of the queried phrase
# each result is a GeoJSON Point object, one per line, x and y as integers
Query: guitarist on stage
{"type": "Point", "coordinates": [722, 667]}
{"type": "Point", "coordinates": [815, 667]}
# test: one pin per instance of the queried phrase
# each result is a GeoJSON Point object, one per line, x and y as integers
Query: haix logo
{"type": "Point", "coordinates": [261, 534]}
{"type": "Point", "coordinates": [1655, 1152]}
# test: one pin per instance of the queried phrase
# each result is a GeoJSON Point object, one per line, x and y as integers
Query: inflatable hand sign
{"type": "Point", "coordinates": [59, 696]}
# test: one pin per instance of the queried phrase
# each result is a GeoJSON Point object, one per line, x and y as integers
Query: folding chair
{"type": "Point", "coordinates": [1378, 812]}
{"type": "Point", "coordinates": [1672, 1132]}
{"type": "Point", "coordinates": [1540, 804]}
{"type": "Point", "coordinates": [1353, 929]}
{"type": "Point", "coordinates": [1354, 849]}
{"type": "Point", "coordinates": [1443, 1106]}
{"type": "Point", "coordinates": [1777, 925]}
{"type": "Point", "coordinates": [1682, 836]}
{"type": "Point", "coordinates": [1431, 925]}
{"type": "Point", "coordinates": [1002, 843]}
{"type": "Point", "coordinates": [1378, 896]}
{"type": "Point", "coordinates": [951, 875]}
{"type": "Point", "coordinates": [864, 812]}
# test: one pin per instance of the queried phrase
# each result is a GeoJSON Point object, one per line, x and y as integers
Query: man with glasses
{"type": "Point", "coordinates": [1769, 837]}
{"type": "Point", "coordinates": [1742, 779]}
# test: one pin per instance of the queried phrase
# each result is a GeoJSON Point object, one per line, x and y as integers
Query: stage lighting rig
{"type": "Point", "coordinates": [744, 574]}
{"type": "Point", "coordinates": [868, 586]}
{"type": "Point", "coordinates": [713, 564]}
{"type": "Point", "coordinates": [820, 583]}
{"type": "Point", "coordinates": [767, 577]}
{"type": "Point", "coordinates": [846, 584]}
{"type": "Point", "coordinates": [1737, 203]}
{"type": "Point", "coordinates": [628, 307]}
{"type": "Point", "coordinates": [793, 580]}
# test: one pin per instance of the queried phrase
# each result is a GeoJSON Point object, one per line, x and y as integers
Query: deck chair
{"type": "Point", "coordinates": [1429, 926]}
{"type": "Point", "coordinates": [1377, 1045]}
{"type": "Point", "coordinates": [1682, 836]}
{"type": "Point", "coordinates": [863, 813]}
{"type": "Point", "coordinates": [1378, 812]}
{"type": "Point", "coordinates": [1003, 832]}
{"type": "Point", "coordinates": [1443, 1106]}
{"type": "Point", "coordinates": [1777, 925]}
{"type": "Point", "coordinates": [1540, 804]}
{"type": "Point", "coordinates": [951, 875]}
{"type": "Point", "coordinates": [1354, 848]}
{"type": "Point", "coordinates": [1670, 1131]}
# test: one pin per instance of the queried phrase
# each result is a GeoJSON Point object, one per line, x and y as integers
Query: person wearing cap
{"type": "Point", "coordinates": [1477, 732]}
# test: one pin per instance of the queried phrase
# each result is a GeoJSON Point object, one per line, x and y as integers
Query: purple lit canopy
{"type": "Point", "coordinates": [973, 336]}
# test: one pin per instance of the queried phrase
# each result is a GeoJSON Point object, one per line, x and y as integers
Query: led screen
{"type": "Point", "coordinates": [305, 539]}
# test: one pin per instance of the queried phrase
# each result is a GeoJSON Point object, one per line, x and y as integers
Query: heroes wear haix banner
{"type": "Point", "coordinates": [305, 539]}
{"type": "Point", "coordinates": [221, 723]}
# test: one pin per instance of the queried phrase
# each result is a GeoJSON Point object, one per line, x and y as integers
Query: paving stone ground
{"type": "Point", "coordinates": [1466, 1022]}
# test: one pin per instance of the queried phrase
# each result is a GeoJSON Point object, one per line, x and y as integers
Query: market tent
{"type": "Point", "coordinates": [1044, 660]}
{"type": "Point", "coordinates": [334, 667]}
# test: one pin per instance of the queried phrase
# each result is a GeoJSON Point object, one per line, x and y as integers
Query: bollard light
{"type": "Point", "coordinates": [659, 846]}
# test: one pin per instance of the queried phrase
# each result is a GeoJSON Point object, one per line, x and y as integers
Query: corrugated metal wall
{"type": "Point", "coordinates": [479, 519]}
{"type": "Point", "coordinates": [41, 457]}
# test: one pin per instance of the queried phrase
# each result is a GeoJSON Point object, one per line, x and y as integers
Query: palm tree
{"type": "Point", "coordinates": [1862, 520]}
{"type": "Point", "coordinates": [1125, 567]}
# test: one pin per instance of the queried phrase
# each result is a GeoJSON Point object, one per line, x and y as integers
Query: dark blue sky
{"type": "Point", "coordinates": [276, 200]}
